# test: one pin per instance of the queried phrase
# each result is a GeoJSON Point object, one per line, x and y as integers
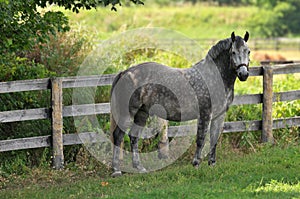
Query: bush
{"type": "Point", "coordinates": [22, 25]}
{"type": "Point", "coordinates": [16, 68]}
{"type": "Point", "coordinates": [275, 18]}
{"type": "Point", "coordinates": [63, 53]}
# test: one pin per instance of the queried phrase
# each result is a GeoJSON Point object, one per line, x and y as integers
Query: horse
{"type": "Point", "coordinates": [203, 92]}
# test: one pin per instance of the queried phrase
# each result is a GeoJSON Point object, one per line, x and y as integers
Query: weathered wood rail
{"type": "Point", "coordinates": [57, 111]}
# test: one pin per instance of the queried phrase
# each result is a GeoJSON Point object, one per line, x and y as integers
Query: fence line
{"type": "Point", "coordinates": [57, 111]}
{"type": "Point", "coordinates": [276, 44]}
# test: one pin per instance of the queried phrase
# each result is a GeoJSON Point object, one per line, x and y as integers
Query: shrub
{"type": "Point", "coordinates": [275, 18]}
{"type": "Point", "coordinates": [16, 68]}
{"type": "Point", "coordinates": [63, 53]}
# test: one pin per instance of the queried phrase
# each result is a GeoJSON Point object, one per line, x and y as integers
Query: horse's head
{"type": "Point", "coordinates": [239, 56]}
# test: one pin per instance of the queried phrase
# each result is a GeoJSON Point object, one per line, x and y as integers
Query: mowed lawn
{"type": "Point", "coordinates": [272, 172]}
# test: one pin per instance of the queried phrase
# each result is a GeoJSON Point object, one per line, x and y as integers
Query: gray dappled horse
{"type": "Point", "coordinates": [202, 92]}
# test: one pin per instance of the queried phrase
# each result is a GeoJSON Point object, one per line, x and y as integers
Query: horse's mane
{"type": "Point", "coordinates": [222, 45]}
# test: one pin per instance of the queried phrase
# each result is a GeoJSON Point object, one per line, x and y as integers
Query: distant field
{"type": "Point", "coordinates": [195, 21]}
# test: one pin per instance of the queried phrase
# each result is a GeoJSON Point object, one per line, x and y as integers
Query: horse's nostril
{"type": "Point", "coordinates": [243, 74]}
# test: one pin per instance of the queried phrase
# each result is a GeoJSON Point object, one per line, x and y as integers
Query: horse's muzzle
{"type": "Point", "coordinates": [242, 72]}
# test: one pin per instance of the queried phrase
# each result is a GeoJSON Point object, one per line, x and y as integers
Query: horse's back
{"type": "Point", "coordinates": [157, 87]}
{"type": "Point", "coordinates": [153, 69]}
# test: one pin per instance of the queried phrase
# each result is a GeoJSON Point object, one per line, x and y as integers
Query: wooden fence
{"type": "Point", "coordinates": [57, 111]}
{"type": "Point", "coordinates": [277, 44]}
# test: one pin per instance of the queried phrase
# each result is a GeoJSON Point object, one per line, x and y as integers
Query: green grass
{"type": "Point", "coordinates": [272, 172]}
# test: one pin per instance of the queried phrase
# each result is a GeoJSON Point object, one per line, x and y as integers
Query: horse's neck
{"type": "Point", "coordinates": [228, 75]}
{"type": "Point", "coordinates": [217, 65]}
{"type": "Point", "coordinates": [219, 56]}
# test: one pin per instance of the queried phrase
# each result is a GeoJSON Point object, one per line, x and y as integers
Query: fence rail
{"type": "Point", "coordinates": [57, 111]}
{"type": "Point", "coordinates": [276, 44]}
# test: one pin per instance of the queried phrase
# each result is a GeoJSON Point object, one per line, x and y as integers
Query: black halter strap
{"type": "Point", "coordinates": [246, 65]}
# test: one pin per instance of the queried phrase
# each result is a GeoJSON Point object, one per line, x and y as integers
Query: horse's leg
{"type": "Point", "coordinates": [215, 130]}
{"type": "Point", "coordinates": [135, 154]}
{"type": "Point", "coordinates": [202, 129]}
{"type": "Point", "coordinates": [139, 122]}
{"type": "Point", "coordinates": [163, 146]}
{"type": "Point", "coordinates": [118, 136]}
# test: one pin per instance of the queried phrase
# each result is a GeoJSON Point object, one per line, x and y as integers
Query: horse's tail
{"type": "Point", "coordinates": [113, 124]}
{"type": "Point", "coordinates": [116, 79]}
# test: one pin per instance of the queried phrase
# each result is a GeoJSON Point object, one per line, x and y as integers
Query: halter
{"type": "Point", "coordinates": [246, 65]}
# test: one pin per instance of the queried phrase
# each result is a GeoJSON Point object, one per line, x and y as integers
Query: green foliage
{"type": "Point", "coordinates": [276, 18]}
{"type": "Point", "coordinates": [63, 53]}
{"type": "Point", "coordinates": [250, 140]}
{"type": "Point", "coordinates": [233, 2]}
{"type": "Point", "coordinates": [16, 68]}
{"type": "Point", "coordinates": [20, 162]}
{"type": "Point", "coordinates": [23, 25]}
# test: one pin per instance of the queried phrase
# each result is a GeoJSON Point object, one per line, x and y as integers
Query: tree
{"type": "Point", "coordinates": [276, 18]}
{"type": "Point", "coordinates": [22, 25]}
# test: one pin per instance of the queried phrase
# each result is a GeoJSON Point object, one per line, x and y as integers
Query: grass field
{"type": "Point", "coordinates": [200, 22]}
{"type": "Point", "coordinates": [197, 22]}
{"type": "Point", "coordinates": [194, 21]}
{"type": "Point", "coordinates": [272, 172]}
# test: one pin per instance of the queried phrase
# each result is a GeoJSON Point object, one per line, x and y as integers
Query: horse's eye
{"type": "Point", "coordinates": [233, 52]}
{"type": "Point", "coordinates": [249, 52]}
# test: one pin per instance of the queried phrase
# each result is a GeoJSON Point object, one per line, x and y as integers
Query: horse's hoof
{"type": "Point", "coordinates": [116, 174]}
{"type": "Point", "coordinates": [141, 169]}
{"type": "Point", "coordinates": [212, 163]}
{"type": "Point", "coordinates": [196, 163]}
{"type": "Point", "coordinates": [196, 166]}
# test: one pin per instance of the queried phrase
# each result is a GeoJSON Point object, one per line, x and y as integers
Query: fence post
{"type": "Point", "coordinates": [57, 123]}
{"type": "Point", "coordinates": [267, 120]}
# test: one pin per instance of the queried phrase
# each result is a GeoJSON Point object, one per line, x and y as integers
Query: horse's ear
{"type": "Point", "coordinates": [246, 37]}
{"type": "Point", "coordinates": [232, 36]}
